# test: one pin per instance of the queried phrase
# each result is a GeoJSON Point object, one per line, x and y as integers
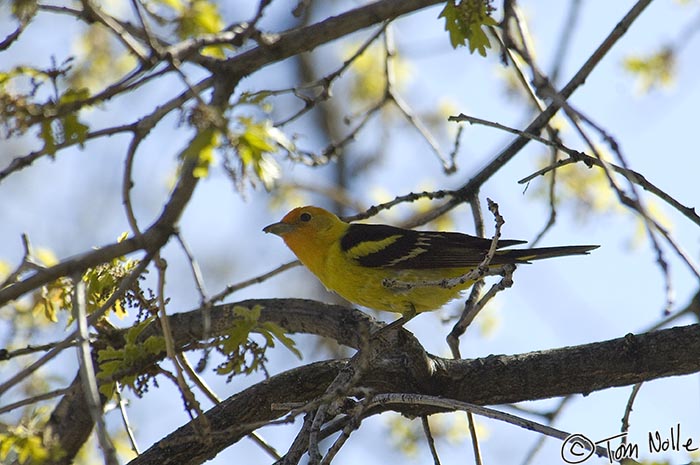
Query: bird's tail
{"type": "Point", "coordinates": [503, 257]}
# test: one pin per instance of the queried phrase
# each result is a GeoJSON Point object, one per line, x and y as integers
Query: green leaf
{"type": "Point", "coordinates": [112, 361]}
{"type": "Point", "coordinates": [73, 130]}
{"type": "Point", "coordinates": [248, 314]}
{"type": "Point", "coordinates": [202, 149]}
{"type": "Point", "coordinates": [154, 344]}
{"type": "Point", "coordinates": [107, 389]}
{"type": "Point", "coordinates": [256, 143]}
{"type": "Point", "coordinates": [243, 353]}
{"type": "Point", "coordinates": [135, 331]}
{"type": "Point", "coordinates": [653, 71]}
{"type": "Point", "coordinates": [24, 10]}
{"type": "Point", "coordinates": [103, 280]}
{"type": "Point", "coordinates": [281, 336]}
{"type": "Point", "coordinates": [237, 335]}
{"type": "Point", "coordinates": [199, 17]}
{"type": "Point", "coordinates": [74, 95]}
{"type": "Point", "coordinates": [464, 21]}
{"type": "Point", "coordinates": [452, 24]}
{"type": "Point", "coordinates": [46, 134]}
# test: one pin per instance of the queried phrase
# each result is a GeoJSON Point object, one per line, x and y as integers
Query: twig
{"type": "Point", "coordinates": [70, 339]}
{"type": "Point", "coordinates": [34, 399]}
{"type": "Point", "coordinates": [28, 263]}
{"type": "Point", "coordinates": [452, 405]}
{"type": "Point", "coordinates": [628, 410]}
{"type": "Point", "coordinates": [410, 197]}
{"type": "Point", "coordinates": [332, 149]}
{"type": "Point", "coordinates": [194, 268]}
{"type": "Point", "coordinates": [576, 156]}
{"type": "Point", "coordinates": [468, 315]}
{"type": "Point", "coordinates": [634, 201]}
{"type": "Point", "coordinates": [352, 423]}
{"type": "Point", "coordinates": [552, 195]}
{"type": "Point", "coordinates": [211, 395]}
{"type": "Point", "coordinates": [530, 457]}
{"type": "Point", "coordinates": [87, 372]}
{"type": "Point", "coordinates": [271, 451]}
{"type": "Point", "coordinates": [299, 444]}
{"type": "Point", "coordinates": [89, 8]}
{"type": "Point", "coordinates": [231, 288]}
{"type": "Point", "coordinates": [472, 307]}
{"type": "Point", "coordinates": [565, 36]}
{"type": "Point", "coordinates": [448, 165]}
{"type": "Point", "coordinates": [205, 302]}
{"type": "Point", "coordinates": [125, 418]}
{"type": "Point", "coordinates": [150, 241]}
{"type": "Point", "coordinates": [543, 118]}
{"type": "Point", "coordinates": [477, 273]}
{"type": "Point", "coordinates": [430, 438]}
{"type": "Point", "coordinates": [326, 82]}
{"type": "Point", "coordinates": [338, 388]}
{"type": "Point", "coordinates": [475, 438]}
{"type": "Point", "coordinates": [13, 36]}
{"type": "Point", "coordinates": [146, 28]}
{"type": "Point", "coordinates": [191, 403]}
{"type": "Point", "coordinates": [692, 307]}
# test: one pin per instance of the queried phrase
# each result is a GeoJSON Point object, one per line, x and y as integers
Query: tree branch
{"type": "Point", "coordinates": [493, 380]}
{"type": "Point", "coordinates": [507, 154]}
{"type": "Point", "coordinates": [399, 367]}
{"type": "Point", "coordinates": [307, 38]}
{"type": "Point", "coordinates": [152, 239]}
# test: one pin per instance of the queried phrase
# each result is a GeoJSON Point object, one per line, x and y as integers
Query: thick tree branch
{"type": "Point", "coordinates": [400, 366]}
{"type": "Point", "coordinates": [307, 38]}
{"type": "Point", "coordinates": [493, 380]}
{"type": "Point", "coordinates": [571, 370]}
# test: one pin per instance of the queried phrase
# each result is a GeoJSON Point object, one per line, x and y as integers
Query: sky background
{"type": "Point", "coordinates": [614, 291]}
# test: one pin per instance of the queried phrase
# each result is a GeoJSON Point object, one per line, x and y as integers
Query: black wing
{"type": "Point", "coordinates": [374, 245]}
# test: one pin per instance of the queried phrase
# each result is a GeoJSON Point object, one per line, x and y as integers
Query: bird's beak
{"type": "Point", "coordinates": [279, 229]}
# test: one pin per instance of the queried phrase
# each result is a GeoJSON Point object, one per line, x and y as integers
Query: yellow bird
{"type": "Point", "coordinates": [386, 268]}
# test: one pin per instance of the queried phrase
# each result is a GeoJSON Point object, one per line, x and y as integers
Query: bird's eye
{"type": "Point", "coordinates": [305, 217]}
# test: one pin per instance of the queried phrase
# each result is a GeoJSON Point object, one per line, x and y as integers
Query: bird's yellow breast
{"type": "Point", "coordinates": [367, 286]}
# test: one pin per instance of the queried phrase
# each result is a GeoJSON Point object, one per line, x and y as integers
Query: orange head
{"type": "Point", "coordinates": [309, 232]}
{"type": "Point", "coordinates": [303, 221]}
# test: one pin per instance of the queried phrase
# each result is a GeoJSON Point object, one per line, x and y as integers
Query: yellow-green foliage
{"type": "Point", "coordinates": [465, 20]}
{"type": "Point", "coordinates": [196, 17]}
{"type": "Point", "coordinates": [585, 190]}
{"type": "Point", "coordinates": [23, 10]}
{"type": "Point", "coordinates": [99, 60]}
{"type": "Point", "coordinates": [21, 110]}
{"type": "Point", "coordinates": [202, 149]}
{"type": "Point", "coordinates": [255, 142]}
{"type": "Point", "coordinates": [243, 354]}
{"type": "Point", "coordinates": [368, 73]}
{"type": "Point", "coordinates": [101, 282]}
{"type": "Point", "coordinates": [252, 142]}
{"type": "Point", "coordinates": [134, 354]}
{"type": "Point", "coordinates": [656, 70]}
{"type": "Point", "coordinates": [25, 443]}
{"type": "Point", "coordinates": [408, 435]}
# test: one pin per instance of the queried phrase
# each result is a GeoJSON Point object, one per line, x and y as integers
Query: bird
{"type": "Point", "coordinates": [393, 269]}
